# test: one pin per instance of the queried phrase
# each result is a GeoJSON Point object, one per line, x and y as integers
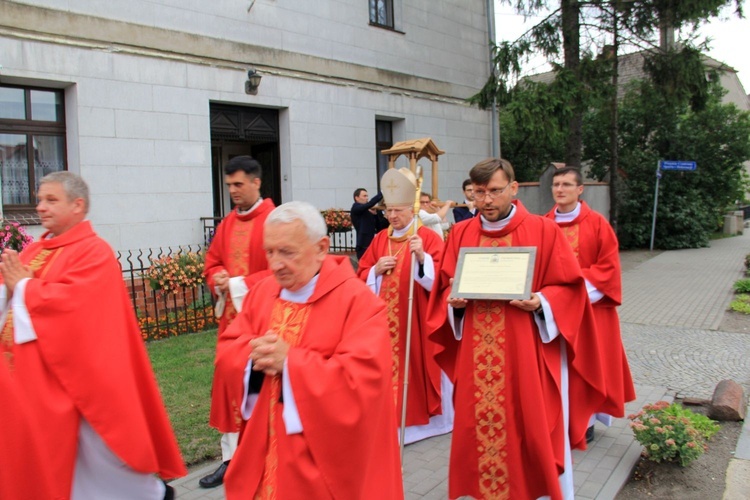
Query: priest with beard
{"type": "Point", "coordinates": [526, 372]}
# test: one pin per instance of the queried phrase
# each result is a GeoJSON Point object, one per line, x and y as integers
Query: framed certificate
{"type": "Point", "coordinates": [503, 273]}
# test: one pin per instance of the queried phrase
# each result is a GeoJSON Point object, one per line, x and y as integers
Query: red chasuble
{"type": "Point", "coordinates": [339, 367]}
{"type": "Point", "coordinates": [89, 360]}
{"type": "Point", "coordinates": [423, 398]}
{"type": "Point", "coordinates": [22, 473]}
{"type": "Point", "coordinates": [237, 248]}
{"type": "Point", "coordinates": [595, 245]}
{"type": "Point", "coordinates": [508, 434]}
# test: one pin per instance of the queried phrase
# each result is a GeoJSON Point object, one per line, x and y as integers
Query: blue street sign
{"type": "Point", "coordinates": [677, 165]}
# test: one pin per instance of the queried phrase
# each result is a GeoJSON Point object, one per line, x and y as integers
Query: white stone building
{"type": "Point", "coordinates": [147, 99]}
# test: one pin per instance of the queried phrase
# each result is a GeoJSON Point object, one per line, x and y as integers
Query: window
{"type": "Point", "coordinates": [381, 13]}
{"type": "Point", "coordinates": [32, 144]}
{"type": "Point", "coordinates": [383, 140]}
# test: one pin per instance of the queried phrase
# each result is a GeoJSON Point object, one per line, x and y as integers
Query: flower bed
{"type": "Point", "coordinates": [337, 220]}
{"type": "Point", "coordinates": [173, 323]}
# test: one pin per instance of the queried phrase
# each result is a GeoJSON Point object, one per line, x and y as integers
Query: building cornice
{"type": "Point", "coordinates": [28, 22]}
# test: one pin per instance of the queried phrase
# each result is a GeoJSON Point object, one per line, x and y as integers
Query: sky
{"type": "Point", "coordinates": [730, 38]}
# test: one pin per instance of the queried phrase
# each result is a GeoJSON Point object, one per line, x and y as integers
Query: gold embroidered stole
{"type": "Point", "coordinates": [389, 292]}
{"type": "Point", "coordinates": [571, 234]}
{"type": "Point", "coordinates": [39, 264]}
{"type": "Point", "coordinates": [288, 320]}
{"type": "Point", "coordinates": [488, 339]}
{"type": "Point", "coordinates": [238, 260]}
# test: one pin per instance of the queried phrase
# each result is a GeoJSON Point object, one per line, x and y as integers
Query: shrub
{"type": "Point", "coordinates": [173, 323]}
{"type": "Point", "coordinates": [337, 219]}
{"type": "Point", "coordinates": [672, 433]}
{"type": "Point", "coordinates": [747, 265]}
{"type": "Point", "coordinates": [169, 274]}
{"type": "Point", "coordinates": [742, 286]}
{"type": "Point", "coordinates": [14, 236]}
{"type": "Point", "coordinates": [741, 304]}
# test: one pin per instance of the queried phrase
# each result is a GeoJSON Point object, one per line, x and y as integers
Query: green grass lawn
{"type": "Point", "coordinates": [184, 367]}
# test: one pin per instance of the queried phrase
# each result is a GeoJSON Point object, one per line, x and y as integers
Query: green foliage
{"type": "Point", "coordinates": [184, 369]}
{"type": "Point", "coordinates": [747, 265]}
{"type": "Point", "coordinates": [742, 286]}
{"type": "Point", "coordinates": [671, 433]}
{"type": "Point", "coordinates": [652, 127]}
{"type": "Point", "coordinates": [529, 137]}
{"type": "Point", "coordinates": [741, 304]}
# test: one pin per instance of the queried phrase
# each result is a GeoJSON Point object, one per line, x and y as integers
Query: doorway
{"type": "Point", "coordinates": [242, 130]}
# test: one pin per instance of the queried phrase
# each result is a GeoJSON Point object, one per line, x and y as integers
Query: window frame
{"type": "Point", "coordinates": [31, 128]}
{"type": "Point", "coordinates": [382, 143]}
{"type": "Point", "coordinates": [390, 21]}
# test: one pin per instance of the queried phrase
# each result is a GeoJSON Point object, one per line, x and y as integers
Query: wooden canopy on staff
{"type": "Point", "coordinates": [414, 150]}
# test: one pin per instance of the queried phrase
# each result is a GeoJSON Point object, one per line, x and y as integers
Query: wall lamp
{"type": "Point", "coordinates": [253, 82]}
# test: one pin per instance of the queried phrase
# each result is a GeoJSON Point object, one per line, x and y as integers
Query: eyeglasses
{"type": "Point", "coordinates": [492, 194]}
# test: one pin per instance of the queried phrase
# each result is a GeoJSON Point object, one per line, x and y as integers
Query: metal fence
{"type": "Point", "coordinates": [188, 309]}
{"type": "Point", "coordinates": [344, 242]}
{"type": "Point", "coordinates": [161, 314]}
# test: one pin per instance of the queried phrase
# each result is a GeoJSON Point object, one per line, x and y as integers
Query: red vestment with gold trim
{"type": "Point", "coordinates": [88, 361]}
{"type": "Point", "coordinates": [508, 434]}
{"type": "Point", "coordinates": [595, 245]}
{"type": "Point", "coordinates": [423, 397]}
{"type": "Point", "coordinates": [339, 371]}
{"type": "Point", "coordinates": [237, 248]}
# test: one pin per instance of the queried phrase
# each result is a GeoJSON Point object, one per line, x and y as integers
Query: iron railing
{"type": "Point", "coordinates": [188, 309]}
{"type": "Point", "coordinates": [160, 314]}
{"type": "Point", "coordinates": [341, 242]}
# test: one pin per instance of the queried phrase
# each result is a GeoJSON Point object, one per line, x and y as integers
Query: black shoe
{"type": "Point", "coordinates": [214, 479]}
{"type": "Point", "coordinates": [169, 492]}
{"type": "Point", "coordinates": [590, 434]}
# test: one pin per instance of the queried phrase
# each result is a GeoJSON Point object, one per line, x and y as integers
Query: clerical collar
{"type": "Point", "coordinates": [257, 203]}
{"type": "Point", "coordinates": [397, 233]}
{"type": "Point", "coordinates": [569, 216]}
{"type": "Point", "coordinates": [500, 224]}
{"type": "Point", "coordinates": [300, 296]}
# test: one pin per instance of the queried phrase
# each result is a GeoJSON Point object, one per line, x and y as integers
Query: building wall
{"type": "Point", "coordinates": [138, 113]}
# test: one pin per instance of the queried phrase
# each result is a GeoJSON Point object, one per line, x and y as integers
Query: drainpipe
{"type": "Point", "coordinates": [495, 127]}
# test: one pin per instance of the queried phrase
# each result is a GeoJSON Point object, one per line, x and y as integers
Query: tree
{"type": "Point", "coordinates": [691, 204]}
{"type": "Point", "coordinates": [632, 23]}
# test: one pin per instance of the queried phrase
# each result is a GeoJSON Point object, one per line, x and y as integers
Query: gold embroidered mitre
{"type": "Point", "coordinates": [398, 187]}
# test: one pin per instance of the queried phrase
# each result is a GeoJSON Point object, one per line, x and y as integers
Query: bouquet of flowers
{"type": "Point", "coordinates": [169, 274]}
{"type": "Point", "coordinates": [14, 236]}
{"type": "Point", "coordinates": [337, 220]}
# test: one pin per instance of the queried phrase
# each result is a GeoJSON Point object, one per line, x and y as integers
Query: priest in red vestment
{"type": "Point", "coordinates": [595, 245]}
{"type": "Point", "coordinates": [76, 354]}
{"type": "Point", "coordinates": [385, 267]}
{"type": "Point", "coordinates": [235, 261]}
{"type": "Point", "coordinates": [321, 419]}
{"type": "Point", "coordinates": [21, 472]}
{"type": "Point", "coordinates": [516, 364]}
